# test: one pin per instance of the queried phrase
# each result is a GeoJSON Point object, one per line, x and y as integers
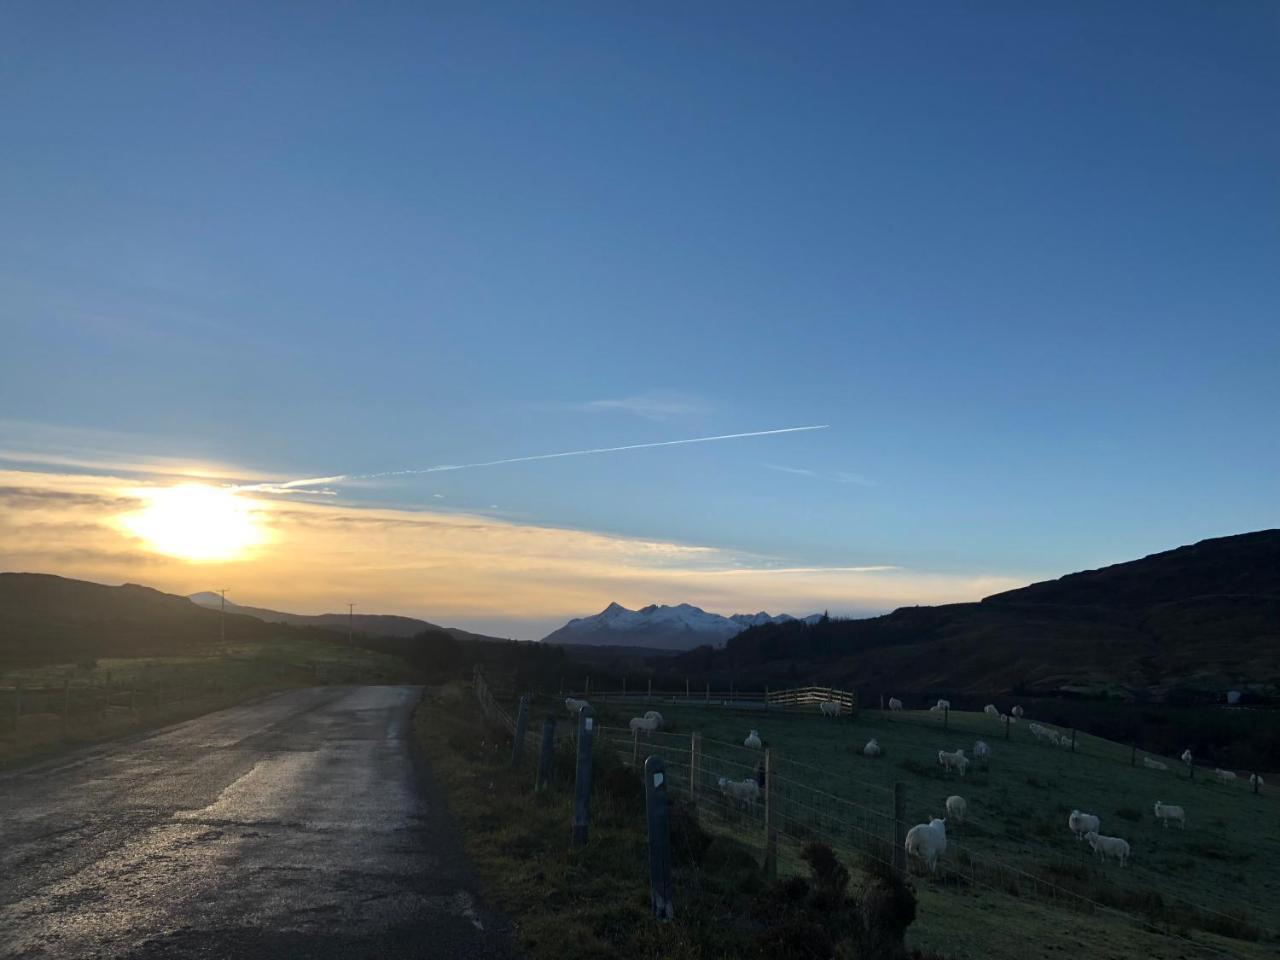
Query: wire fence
{"type": "Point", "coordinates": [773, 804]}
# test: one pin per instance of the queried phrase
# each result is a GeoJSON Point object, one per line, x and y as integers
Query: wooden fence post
{"type": "Point", "coordinates": [655, 797]}
{"type": "Point", "coordinates": [900, 826]}
{"type": "Point", "coordinates": [686, 688]}
{"type": "Point", "coordinates": [695, 765]}
{"type": "Point", "coordinates": [650, 695]}
{"type": "Point", "coordinates": [708, 691]}
{"type": "Point", "coordinates": [582, 779]}
{"type": "Point", "coordinates": [770, 834]}
{"type": "Point", "coordinates": [635, 747]}
{"type": "Point", "coordinates": [522, 720]}
{"type": "Point", "coordinates": [946, 717]}
{"type": "Point", "coordinates": [1007, 721]}
{"type": "Point", "coordinates": [545, 753]}
{"type": "Point", "coordinates": [588, 693]}
{"type": "Point", "coordinates": [624, 686]}
{"type": "Point", "coordinates": [1073, 741]}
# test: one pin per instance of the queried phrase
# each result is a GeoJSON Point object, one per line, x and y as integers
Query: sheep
{"type": "Point", "coordinates": [895, 703]}
{"type": "Point", "coordinates": [927, 842]}
{"type": "Point", "coordinates": [1105, 847]}
{"type": "Point", "coordinates": [956, 808]}
{"type": "Point", "coordinates": [1016, 711]}
{"type": "Point", "coordinates": [1154, 764]}
{"type": "Point", "coordinates": [991, 710]}
{"type": "Point", "coordinates": [753, 740]}
{"type": "Point", "coordinates": [982, 752]}
{"type": "Point", "coordinates": [574, 706]}
{"type": "Point", "coordinates": [1082, 823]}
{"type": "Point", "coordinates": [1255, 780]}
{"type": "Point", "coordinates": [936, 708]}
{"type": "Point", "coordinates": [1224, 776]}
{"type": "Point", "coordinates": [944, 704]}
{"type": "Point", "coordinates": [745, 792]}
{"type": "Point", "coordinates": [872, 749]}
{"type": "Point", "coordinates": [830, 708]}
{"type": "Point", "coordinates": [646, 724]}
{"type": "Point", "coordinates": [1168, 811]}
{"type": "Point", "coordinates": [1066, 744]}
{"type": "Point", "coordinates": [953, 761]}
{"type": "Point", "coordinates": [1186, 756]}
{"type": "Point", "coordinates": [655, 715]}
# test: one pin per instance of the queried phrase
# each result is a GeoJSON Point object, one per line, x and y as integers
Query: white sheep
{"type": "Point", "coordinates": [956, 808]}
{"type": "Point", "coordinates": [944, 704]}
{"type": "Point", "coordinates": [655, 715]}
{"type": "Point", "coordinates": [1186, 756]}
{"type": "Point", "coordinates": [1065, 743]}
{"type": "Point", "coordinates": [574, 706]}
{"type": "Point", "coordinates": [646, 725]}
{"type": "Point", "coordinates": [872, 749]}
{"type": "Point", "coordinates": [927, 842]}
{"type": "Point", "coordinates": [1082, 823]}
{"type": "Point", "coordinates": [1016, 711]}
{"type": "Point", "coordinates": [953, 761]}
{"type": "Point", "coordinates": [1151, 764]}
{"type": "Point", "coordinates": [895, 703]}
{"type": "Point", "coordinates": [1256, 781]}
{"type": "Point", "coordinates": [1224, 776]}
{"type": "Point", "coordinates": [746, 791]}
{"type": "Point", "coordinates": [753, 740]}
{"type": "Point", "coordinates": [981, 751]}
{"type": "Point", "coordinates": [1168, 811]}
{"type": "Point", "coordinates": [1105, 847]}
{"type": "Point", "coordinates": [991, 710]}
{"type": "Point", "coordinates": [830, 708]}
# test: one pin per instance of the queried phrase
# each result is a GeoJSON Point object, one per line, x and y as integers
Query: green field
{"type": "Point", "coordinates": [1013, 861]}
{"type": "Point", "coordinates": [49, 708]}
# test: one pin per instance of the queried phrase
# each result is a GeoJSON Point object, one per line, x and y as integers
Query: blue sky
{"type": "Point", "coordinates": [1022, 258]}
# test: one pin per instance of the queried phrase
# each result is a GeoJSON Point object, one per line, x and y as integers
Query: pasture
{"type": "Point", "coordinates": [1013, 866]}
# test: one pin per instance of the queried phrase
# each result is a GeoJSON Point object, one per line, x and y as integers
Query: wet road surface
{"type": "Point", "coordinates": [295, 826]}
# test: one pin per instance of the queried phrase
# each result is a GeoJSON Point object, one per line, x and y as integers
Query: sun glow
{"type": "Point", "coordinates": [195, 522]}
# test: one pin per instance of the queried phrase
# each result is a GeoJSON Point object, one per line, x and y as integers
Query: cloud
{"type": "Point", "coordinates": [452, 568]}
{"type": "Point", "coordinates": [653, 405]}
{"type": "Point", "coordinates": [837, 476]}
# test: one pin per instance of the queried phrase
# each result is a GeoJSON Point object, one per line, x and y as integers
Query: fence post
{"type": "Point", "coordinates": [1257, 782]}
{"type": "Point", "coordinates": [708, 691]}
{"type": "Point", "coordinates": [1073, 740]}
{"type": "Point", "coordinates": [695, 765]}
{"type": "Point", "coordinates": [588, 693]}
{"type": "Point", "coordinates": [766, 696]}
{"type": "Point", "coordinates": [582, 779]}
{"type": "Point", "coordinates": [1006, 726]}
{"type": "Point", "coordinates": [770, 834]}
{"type": "Point", "coordinates": [655, 797]}
{"type": "Point", "coordinates": [545, 752]}
{"type": "Point", "coordinates": [522, 720]}
{"type": "Point", "coordinates": [624, 686]}
{"type": "Point", "coordinates": [635, 748]}
{"type": "Point", "coordinates": [882, 703]}
{"type": "Point", "coordinates": [686, 688]}
{"type": "Point", "coordinates": [899, 826]}
{"type": "Point", "coordinates": [946, 716]}
{"type": "Point", "coordinates": [650, 695]}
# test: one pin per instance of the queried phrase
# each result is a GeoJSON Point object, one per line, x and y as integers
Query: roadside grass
{"type": "Point", "coordinates": [1213, 883]}
{"type": "Point", "coordinates": [111, 698]}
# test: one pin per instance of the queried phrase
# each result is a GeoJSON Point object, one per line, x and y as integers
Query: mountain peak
{"type": "Point", "coordinates": [681, 626]}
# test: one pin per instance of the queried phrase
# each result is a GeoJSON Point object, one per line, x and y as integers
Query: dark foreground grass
{"type": "Point", "coordinates": [593, 902]}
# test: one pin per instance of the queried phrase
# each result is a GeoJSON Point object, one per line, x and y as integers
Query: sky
{"type": "Point", "coordinates": [1021, 261]}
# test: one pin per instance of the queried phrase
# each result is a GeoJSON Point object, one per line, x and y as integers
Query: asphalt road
{"type": "Point", "coordinates": [296, 826]}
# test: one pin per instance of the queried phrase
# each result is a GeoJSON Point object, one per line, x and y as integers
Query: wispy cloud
{"type": "Point", "coordinates": [652, 405]}
{"type": "Point", "coordinates": [836, 476]}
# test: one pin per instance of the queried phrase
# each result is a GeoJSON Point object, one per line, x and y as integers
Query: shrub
{"type": "Point", "coordinates": [830, 876]}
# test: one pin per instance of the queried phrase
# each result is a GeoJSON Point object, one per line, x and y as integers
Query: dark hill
{"type": "Point", "coordinates": [1199, 618]}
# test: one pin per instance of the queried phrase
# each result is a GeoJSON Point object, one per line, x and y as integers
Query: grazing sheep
{"type": "Point", "coordinates": [1105, 847]}
{"type": "Point", "coordinates": [1186, 756]}
{"type": "Point", "coordinates": [953, 761]}
{"type": "Point", "coordinates": [1255, 780]}
{"type": "Point", "coordinates": [982, 752]}
{"type": "Point", "coordinates": [927, 842]}
{"type": "Point", "coordinates": [1065, 743]}
{"type": "Point", "coordinates": [830, 708]}
{"type": "Point", "coordinates": [872, 749]}
{"type": "Point", "coordinates": [1168, 811]}
{"type": "Point", "coordinates": [753, 740]}
{"type": "Point", "coordinates": [1082, 823]}
{"type": "Point", "coordinates": [936, 708]}
{"type": "Point", "coordinates": [991, 710]}
{"type": "Point", "coordinates": [574, 706]}
{"type": "Point", "coordinates": [895, 703]}
{"type": "Point", "coordinates": [1016, 711]}
{"type": "Point", "coordinates": [1154, 764]}
{"type": "Point", "coordinates": [1224, 776]}
{"type": "Point", "coordinates": [745, 792]}
{"type": "Point", "coordinates": [655, 715]}
{"type": "Point", "coordinates": [956, 808]}
{"type": "Point", "coordinates": [645, 724]}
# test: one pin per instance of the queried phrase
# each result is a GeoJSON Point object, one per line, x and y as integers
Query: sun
{"type": "Point", "coordinates": [196, 522]}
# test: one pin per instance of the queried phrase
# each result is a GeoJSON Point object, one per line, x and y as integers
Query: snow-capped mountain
{"type": "Point", "coordinates": [681, 627]}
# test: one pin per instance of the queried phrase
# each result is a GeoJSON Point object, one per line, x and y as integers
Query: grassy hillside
{"type": "Point", "coordinates": [1196, 620]}
{"type": "Point", "coordinates": [1014, 856]}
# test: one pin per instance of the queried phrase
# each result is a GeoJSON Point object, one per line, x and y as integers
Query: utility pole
{"type": "Point", "coordinates": [351, 616]}
{"type": "Point", "coordinates": [222, 619]}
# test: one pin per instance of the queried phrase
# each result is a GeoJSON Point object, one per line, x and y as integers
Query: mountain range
{"type": "Point", "coordinates": [372, 624]}
{"type": "Point", "coordinates": [1183, 623]}
{"type": "Point", "coordinates": [658, 627]}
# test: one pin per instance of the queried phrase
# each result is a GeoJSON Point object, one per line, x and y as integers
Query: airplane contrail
{"type": "Point", "coordinates": [445, 467]}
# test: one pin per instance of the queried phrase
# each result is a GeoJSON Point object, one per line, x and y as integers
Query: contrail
{"type": "Point", "coordinates": [441, 468]}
